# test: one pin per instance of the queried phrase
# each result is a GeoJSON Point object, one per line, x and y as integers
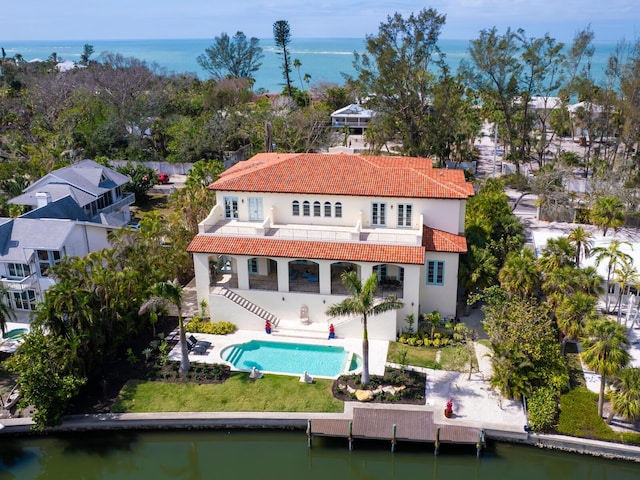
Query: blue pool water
{"type": "Point", "coordinates": [291, 358]}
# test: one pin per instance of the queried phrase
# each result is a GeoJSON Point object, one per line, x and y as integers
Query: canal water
{"type": "Point", "coordinates": [281, 455]}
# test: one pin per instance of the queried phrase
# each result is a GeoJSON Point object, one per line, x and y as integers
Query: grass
{"type": "Point", "coordinates": [579, 418]}
{"type": "Point", "coordinates": [452, 357]}
{"type": "Point", "coordinates": [272, 393]}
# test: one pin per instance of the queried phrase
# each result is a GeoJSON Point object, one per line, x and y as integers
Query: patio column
{"type": "Point", "coordinates": [324, 278]}
{"type": "Point", "coordinates": [366, 269]}
{"type": "Point", "coordinates": [201, 270]}
{"type": "Point", "coordinates": [243, 272]}
{"type": "Point", "coordinates": [283, 274]}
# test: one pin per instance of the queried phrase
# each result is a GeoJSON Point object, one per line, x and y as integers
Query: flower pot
{"type": "Point", "coordinates": [448, 413]}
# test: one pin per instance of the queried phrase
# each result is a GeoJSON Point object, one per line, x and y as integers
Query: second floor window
{"type": "Point", "coordinates": [255, 208]}
{"type": "Point", "coordinates": [378, 214]}
{"type": "Point", "coordinates": [295, 208]}
{"type": "Point", "coordinates": [327, 209]}
{"type": "Point", "coordinates": [18, 270]}
{"type": "Point", "coordinates": [46, 260]}
{"type": "Point", "coordinates": [435, 272]}
{"type": "Point", "coordinates": [231, 207]}
{"type": "Point", "coordinates": [316, 209]}
{"type": "Point", "coordinates": [404, 215]}
{"type": "Point", "coordinates": [306, 209]}
{"type": "Point", "coordinates": [338, 210]}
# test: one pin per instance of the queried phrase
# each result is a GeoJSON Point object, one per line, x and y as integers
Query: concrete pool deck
{"type": "Point", "coordinates": [377, 348]}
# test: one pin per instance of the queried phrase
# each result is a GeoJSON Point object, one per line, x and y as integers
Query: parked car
{"type": "Point", "coordinates": [163, 178]}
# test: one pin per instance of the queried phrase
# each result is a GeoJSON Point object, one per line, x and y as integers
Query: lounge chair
{"type": "Point", "coordinates": [197, 347]}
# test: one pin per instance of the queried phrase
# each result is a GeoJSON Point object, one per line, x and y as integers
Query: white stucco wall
{"type": "Point", "coordinates": [447, 215]}
{"type": "Point", "coordinates": [440, 297]}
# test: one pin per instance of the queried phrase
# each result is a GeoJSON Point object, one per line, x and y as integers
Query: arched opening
{"type": "Point", "coordinates": [223, 271]}
{"type": "Point", "coordinates": [337, 269]}
{"type": "Point", "coordinates": [263, 273]}
{"type": "Point", "coordinates": [304, 276]}
{"type": "Point", "coordinates": [390, 279]}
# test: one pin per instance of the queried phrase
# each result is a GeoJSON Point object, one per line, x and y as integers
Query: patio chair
{"type": "Point", "coordinates": [197, 347]}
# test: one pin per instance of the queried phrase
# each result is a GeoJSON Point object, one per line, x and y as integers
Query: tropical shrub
{"type": "Point", "coordinates": [543, 409]}
{"type": "Point", "coordinates": [200, 325]}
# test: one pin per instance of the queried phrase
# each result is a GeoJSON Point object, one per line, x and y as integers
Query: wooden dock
{"type": "Point", "coordinates": [395, 426]}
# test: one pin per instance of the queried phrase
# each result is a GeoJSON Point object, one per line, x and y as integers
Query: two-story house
{"type": "Point", "coordinates": [70, 213]}
{"type": "Point", "coordinates": [286, 226]}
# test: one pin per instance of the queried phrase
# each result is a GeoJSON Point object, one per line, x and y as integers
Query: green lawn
{"type": "Point", "coordinates": [452, 357]}
{"type": "Point", "coordinates": [272, 393]}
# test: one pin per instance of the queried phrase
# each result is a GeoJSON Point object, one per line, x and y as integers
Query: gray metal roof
{"type": "Point", "coordinates": [86, 175]}
{"type": "Point", "coordinates": [57, 191]}
{"type": "Point", "coordinates": [29, 234]}
{"type": "Point", "coordinates": [64, 208]}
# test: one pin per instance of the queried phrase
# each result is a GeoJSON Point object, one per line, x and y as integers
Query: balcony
{"type": "Point", "coordinates": [19, 285]}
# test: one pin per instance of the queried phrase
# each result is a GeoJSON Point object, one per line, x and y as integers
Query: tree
{"type": "Point", "coordinates": [394, 75]}
{"type": "Point", "coordinates": [142, 178]}
{"type": "Point", "coordinates": [87, 51]}
{"type": "Point", "coordinates": [234, 58]}
{"type": "Point", "coordinates": [6, 313]}
{"type": "Point", "coordinates": [582, 241]}
{"type": "Point", "coordinates": [46, 379]}
{"type": "Point", "coordinates": [604, 351]}
{"type": "Point", "coordinates": [363, 302]}
{"type": "Point", "coordinates": [519, 275]}
{"type": "Point", "coordinates": [556, 253]}
{"type": "Point", "coordinates": [606, 213]}
{"type": "Point", "coordinates": [614, 256]}
{"type": "Point", "coordinates": [164, 294]}
{"type": "Point", "coordinates": [282, 37]}
{"type": "Point", "coordinates": [625, 395]}
{"type": "Point", "coordinates": [573, 313]}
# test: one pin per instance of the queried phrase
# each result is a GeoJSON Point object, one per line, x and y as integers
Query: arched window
{"type": "Point", "coordinates": [327, 209]}
{"type": "Point", "coordinates": [295, 206]}
{"type": "Point", "coordinates": [316, 209]}
{"type": "Point", "coordinates": [338, 210]}
{"type": "Point", "coordinates": [306, 208]}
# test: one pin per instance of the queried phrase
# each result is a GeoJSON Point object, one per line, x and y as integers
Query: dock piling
{"type": "Point", "coordinates": [437, 442]}
{"type": "Point", "coordinates": [309, 433]}
{"type": "Point", "coordinates": [393, 439]}
{"type": "Point", "coordinates": [350, 436]}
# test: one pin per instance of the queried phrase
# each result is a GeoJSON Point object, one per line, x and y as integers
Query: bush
{"type": "Point", "coordinates": [543, 409]}
{"type": "Point", "coordinates": [199, 325]}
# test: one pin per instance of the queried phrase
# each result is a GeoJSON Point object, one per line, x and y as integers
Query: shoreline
{"type": "Point", "coordinates": [289, 421]}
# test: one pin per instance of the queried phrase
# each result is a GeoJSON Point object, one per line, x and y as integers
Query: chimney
{"type": "Point", "coordinates": [43, 198]}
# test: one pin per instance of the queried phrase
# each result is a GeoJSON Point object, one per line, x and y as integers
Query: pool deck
{"type": "Point", "coordinates": [377, 349]}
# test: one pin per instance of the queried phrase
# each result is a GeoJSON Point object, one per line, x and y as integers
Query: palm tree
{"type": "Point", "coordinates": [625, 396]}
{"type": "Point", "coordinates": [363, 302]}
{"type": "Point", "coordinates": [614, 255]}
{"type": "Point", "coordinates": [297, 64]}
{"type": "Point", "coordinates": [608, 212]}
{"type": "Point", "coordinates": [557, 253]}
{"type": "Point", "coordinates": [519, 274]}
{"type": "Point", "coordinates": [605, 351]}
{"type": "Point", "coordinates": [6, 312]}
{"type": "Point", "coordinates": [164, 294]}
{"type": "Point", "coordinates": [573, 313]}
{"type": "Point", "coordinates": [625, 276]}
{"type": "Point", "coordinates": [582, 241]}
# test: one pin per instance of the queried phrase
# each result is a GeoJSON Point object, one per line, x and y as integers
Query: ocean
{"type": "Point", "coordinates": [324, 59]}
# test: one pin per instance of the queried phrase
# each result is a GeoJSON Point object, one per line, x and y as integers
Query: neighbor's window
{"type": "Point", "coordinates": [435, 272]}
{"type": "Point", "coordinates": [316, 209]}
{"type": "Point", "coordinates": [46, 260]}
{"type": "Point", "coordinates": [18, 270]}
{"type": "Point", "coordinates": [295, 208]}
{"type": "Point", "coordinates": [327, 209]}
{"type": "Point", "coordinates": [306, 209]}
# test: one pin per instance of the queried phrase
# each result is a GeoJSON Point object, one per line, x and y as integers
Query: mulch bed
{"type": "Point", "coordinates": [412, 394]}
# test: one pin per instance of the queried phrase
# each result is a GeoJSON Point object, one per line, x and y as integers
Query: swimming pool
{"type": "Point", "coordinates": [291, 358]}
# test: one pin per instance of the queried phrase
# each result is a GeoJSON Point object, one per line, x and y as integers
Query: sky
{"type": "Point", "coordinates": [610, 20]}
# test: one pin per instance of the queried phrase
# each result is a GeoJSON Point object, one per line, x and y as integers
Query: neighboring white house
{"type": "Point", "coordinates": [71, 212]}
{"type": "Point", "coordinates": [354, 116]}
{"type": "Point", "coordinates": [286, 226]}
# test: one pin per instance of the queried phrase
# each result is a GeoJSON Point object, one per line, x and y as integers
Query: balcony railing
{"type": "Point", "coordinates": [19, 285]}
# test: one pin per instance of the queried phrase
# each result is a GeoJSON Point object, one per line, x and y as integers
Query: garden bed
{"type": "Point", "coordinates": [408, 387]}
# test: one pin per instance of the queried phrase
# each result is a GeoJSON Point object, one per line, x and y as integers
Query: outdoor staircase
{"type": "Point", "coordinates": [247, 305]}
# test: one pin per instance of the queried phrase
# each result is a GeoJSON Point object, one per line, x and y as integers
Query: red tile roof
{"type": "Point", "coordinates": [433, 240]}
{"type": "Point", "coordinates": [342, 174]}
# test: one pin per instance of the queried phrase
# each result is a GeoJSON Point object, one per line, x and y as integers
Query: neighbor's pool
{"type": "Point", "coordinates": [16, 333]}
{"type": "Point", "coordinates": [291, 358]}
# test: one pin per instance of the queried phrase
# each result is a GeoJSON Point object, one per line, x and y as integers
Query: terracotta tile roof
{"type": "Point", "coordinates": [266, 247]}
{"type": "Point", "coordinates": [342, 174]}
{"type": "Point", "coordinates": [434, 240]}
